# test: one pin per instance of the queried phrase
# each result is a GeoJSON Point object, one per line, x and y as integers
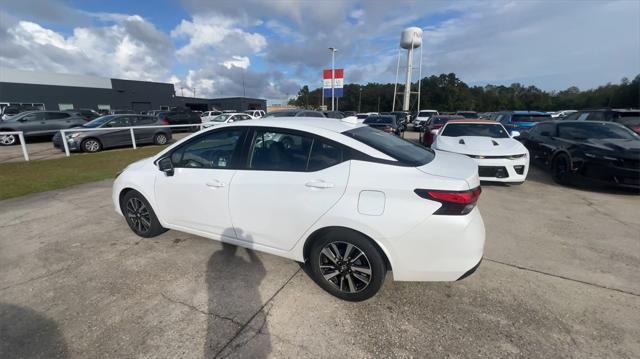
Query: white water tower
{"type": "Point", "coordinates": [410, 39]}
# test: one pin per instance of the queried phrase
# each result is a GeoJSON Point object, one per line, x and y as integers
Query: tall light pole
{"type": "Point", "coordinates": [359, 100]}
{"type": "Point", "coordinates": [333, 75]}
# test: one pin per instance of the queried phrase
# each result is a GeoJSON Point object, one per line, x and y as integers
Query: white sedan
{"type": "Point", "coordinates": [500, 157]}
{"type": "Point", "coordinates": [226, 118]}
{"type": "Point", "coordinates": [350, 201]}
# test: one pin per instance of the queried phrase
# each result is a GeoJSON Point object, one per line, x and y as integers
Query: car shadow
{"type": "Point", "coordinates": [537, 173]}
{"type": "Point", "coordinates": [25, 333]}
{"type": "Point", "coordinates": [233, 281]}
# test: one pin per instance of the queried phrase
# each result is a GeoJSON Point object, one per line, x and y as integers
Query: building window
{"type": "Point", "coordinates": [65, 106]}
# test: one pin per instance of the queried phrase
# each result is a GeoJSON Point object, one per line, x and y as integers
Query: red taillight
{"type": "Point", "coordinates": [165, 121]}
{"type": "Point", "coordinates": [453, 202]}
{"type": "Point", "coordinates": [436, 126]}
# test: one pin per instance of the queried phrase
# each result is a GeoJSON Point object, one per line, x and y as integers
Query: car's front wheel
{"type": "Point", "coordinates": [91, 145]}
{"type": "Point", "coordinates": [140, 216]}
{"type": "Point", "coordinates": [160, 139]}
{"type": "Point", "coordinates": [561, 169]}
{"type": "Point", "coordinates": [347, 265]}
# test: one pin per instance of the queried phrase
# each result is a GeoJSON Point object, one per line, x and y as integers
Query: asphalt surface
{"type": "Point", "coordinates": [560, 278]}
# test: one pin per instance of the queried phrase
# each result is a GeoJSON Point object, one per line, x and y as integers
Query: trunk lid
{"type": "Point", "coordinates": [455, 166]}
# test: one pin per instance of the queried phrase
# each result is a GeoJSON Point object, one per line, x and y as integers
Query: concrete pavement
{"type": "Point", "coordinates": [561, 278]}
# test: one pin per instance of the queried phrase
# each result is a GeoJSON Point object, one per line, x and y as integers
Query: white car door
{"type": "Point", "coordinates": [196, 196]}
{"type": "Point", "coordinates": [291, 180]}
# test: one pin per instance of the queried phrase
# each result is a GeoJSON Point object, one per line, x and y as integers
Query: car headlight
{"type": "Point", "coordinates": [73, 135]}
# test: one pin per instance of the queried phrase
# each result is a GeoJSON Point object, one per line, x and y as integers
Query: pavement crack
{"type": "Point", "coordinates": [562, 277]}
{"type": "Point", "coordinates": [46, 275]}
{"type": "Point", "coordinates": [593, 206]}
{"type": "Point", "coordinates": [194, 308]}
{"type": "Point", "coordinates": [261, 309]}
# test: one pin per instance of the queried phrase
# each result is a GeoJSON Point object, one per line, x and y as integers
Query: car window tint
{"type": "Point", "coordinates": [583, 116]}
{"type": "Point", "coordinates": [543, 127]}
{"type": "Point", "coordinates": [279, 151]}
{"type": "Point", "coordinates": [118, 122]}
{"type": "Point", "coordinates": [586, 130]}
{"type": "Point", "coordinates": [402, 150]}
{"type": "Point", "coordinates": [210, 150]}
{"type": "Point", "coordinates": [324, 155]}
{"type": "Point", "coordinates": [311, 114]}
{"type": "Point", "coordinates": [57, 115]}
{"type": "Point", "coordinates": [142, 121]}
{"type": "Point", "coordinates": [597, 116]}
{"type": "Point", "coordinates": [480, 130]}
{"type": "Point", "coordinates": [571, 117]}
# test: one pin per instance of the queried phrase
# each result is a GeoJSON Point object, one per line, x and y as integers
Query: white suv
{"type": "Point", "coordinates": [350, 201]}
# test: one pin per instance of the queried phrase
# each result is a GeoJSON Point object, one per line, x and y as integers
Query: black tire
{"type": "Point", "coordinates": [348, 284]}
{"type": "Point", "coordinates": [160, 139]}
{"type": "Point", "coordinates": [91, 145]}
{"type": "Point", "coordinates": [140, 216]}
{"type": "Point", "coordinates": [9, 140]}
{"type": "Point", "coordinates": [561, 169]}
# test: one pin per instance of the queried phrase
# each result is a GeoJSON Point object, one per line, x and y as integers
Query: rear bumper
{"type": "Point", "coordinates": [442, 248]}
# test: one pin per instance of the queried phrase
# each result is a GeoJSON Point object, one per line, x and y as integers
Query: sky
{"type": "Point", "coordinates": [269, 49]}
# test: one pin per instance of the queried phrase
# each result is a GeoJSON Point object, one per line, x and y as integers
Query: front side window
{"type": "Point", "coordinates": [118, 122]}
{"type": "Point", "coordinates": [279, 151]}
{"type": "Point", "coordinates": [210, 150]}
{"type": "Point", "coordinates": [475, 129]}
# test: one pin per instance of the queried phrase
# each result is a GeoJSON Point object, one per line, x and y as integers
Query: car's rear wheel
{"type": "Point", "coordinates": [160, 139]}
{"type": "Point", "coordinates": [8, 140]}
{"type": "Point", "coordinates": [561, 169]}
{"type": "Point", "coordinates": [91, 145]}
{"type": "Point", "coordinates": [140, 216]}
{"type": "Point", "coordinates": [347, 265]}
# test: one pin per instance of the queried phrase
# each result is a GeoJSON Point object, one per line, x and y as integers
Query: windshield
{"type": "Point", "coordinates": [98, 121]}
{"type": "Point", "coordinates": [598, 131]}
{"type": "Point", "coordinates": [426, 113]}
{"type": "Point", "coordinates": [628, 118]}
{"type": "Point", "coordinates": [531, 117]}
{"type": "Point", "coordinates": [475, 129]}
{"type": "Point", "coordinates": [220, 118]}
{"type": "Point", "coordinates": [394, 146]}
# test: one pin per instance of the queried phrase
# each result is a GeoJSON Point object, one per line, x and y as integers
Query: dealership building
{"type": "Point", "coordinates": [66, 91]}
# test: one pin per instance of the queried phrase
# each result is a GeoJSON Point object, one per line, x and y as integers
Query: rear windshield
{"type": "Point", "coordinates": [378, 120]}
{"type": "Point", "coordinates": [402, 150]}
{"type": "Point", "coordinates": [531, 117]}
{"type": "Point", "coordinates": [468, 114]}
{"type": "Point", "coordinates": [474, 129]}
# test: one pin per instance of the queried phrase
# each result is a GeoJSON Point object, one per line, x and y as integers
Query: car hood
{"type": "Point", "coordinates": [614, 145]}
{"type": "Point", "coordinates": [452, 165]}
{"type": "Point", "coordinates": [481, 146]}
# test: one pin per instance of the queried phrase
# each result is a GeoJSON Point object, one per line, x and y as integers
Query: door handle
{"type": "Point", "coordinates": [215, 184]}
{"type": "Point", "coordinates": [319, 184]}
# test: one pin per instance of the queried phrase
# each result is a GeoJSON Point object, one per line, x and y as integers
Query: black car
{"type": "Point", "coordinates": [626, 117]}
{"type": "Point", "coordinates": [94, 141]}
{"type": "Point", "coordinates": [38, 123]}
{"type": "Point", "coordinates": [294, 112]}
{"type": "Point", "coordinates": [598, 151]}
{"type": "Point", "coordinates": [180, 117]}
{"type": "Point", "coordinates": [386, 123]}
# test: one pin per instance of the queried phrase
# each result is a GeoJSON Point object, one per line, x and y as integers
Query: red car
{"type": "Point", "coordinates": [435, 123]}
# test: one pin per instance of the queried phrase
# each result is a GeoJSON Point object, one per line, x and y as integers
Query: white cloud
{"type": "Point", "coordinates": [237, 61]}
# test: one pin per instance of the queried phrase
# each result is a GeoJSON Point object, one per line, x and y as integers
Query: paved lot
{"type": "Point", "coordinates": [42, 149]}
{"type": "Point", "coordinates": [561, 278]}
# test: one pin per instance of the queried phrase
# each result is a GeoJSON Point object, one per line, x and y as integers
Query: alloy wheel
{"type": "Point", "coordinates": [345, 266]}
{"type": "Point", "coordinates": [161, 139]}
{"type": "Point", "coordinates": [138, 214]}
{"type": "Point", "coordinates": [91, 146]}
{"type": "Point", "coordinates": [561, 168]}
{"type": "Point", "coordinates": [7, 140]}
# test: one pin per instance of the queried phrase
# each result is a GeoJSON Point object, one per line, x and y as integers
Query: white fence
{"type": "Point", "coordinates": [73, 130]}
{"type": "Point", "coordinates": [130, 128]}
{"type": "Point", "coordinates": [22, 143]}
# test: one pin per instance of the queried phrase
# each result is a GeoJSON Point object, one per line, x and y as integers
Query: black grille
{"type": "Point", "coordinates": [493, 171]}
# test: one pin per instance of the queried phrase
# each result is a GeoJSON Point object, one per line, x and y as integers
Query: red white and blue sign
{"type": "Point", "coordinates": [338, 82]}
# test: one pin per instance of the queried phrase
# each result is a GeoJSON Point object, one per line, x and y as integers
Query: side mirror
{"type": "Point", "coordinates": [165, 165]}
{"type": "Point", "coordinates": [515, 134]}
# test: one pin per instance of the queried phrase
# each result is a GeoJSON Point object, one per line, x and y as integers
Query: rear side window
{"type": "Point", "coordinates": [279, 151]}
{"type": "Point", "coordinates": [57, 115]}
{"type": "Point", "coordinates": [324, 155]}
{"type": "Point", "coordinates": [405, 152]}
{"type": "Point", "coordinates": [627, 118]}
{"type": "Point", "coordinates": [142, 121]}
{"type": "Point", "coordinates": [211, 150]}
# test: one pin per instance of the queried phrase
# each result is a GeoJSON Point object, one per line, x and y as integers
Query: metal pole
{"type": "Point", "coordinates": [133, 138]}
{"type": "Point", "coordinates": [24, 146]}
{"type": "Point", "coordinates": [419, 80]}
{"type": "Point", "coordinates": [337, 100]}
{"type": "Point", "coordinates": [333, 76]}
{"type": "Point", "coordinates": [64, 142]}
{"type": "Point", "coordinates": [322, 89]}
{"type": "Point", "coordinates": [407, 85]}
{"type": "Point", "coordinates": [359, 99]}
{"type": "Point", "coordinates": [395, 85]}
